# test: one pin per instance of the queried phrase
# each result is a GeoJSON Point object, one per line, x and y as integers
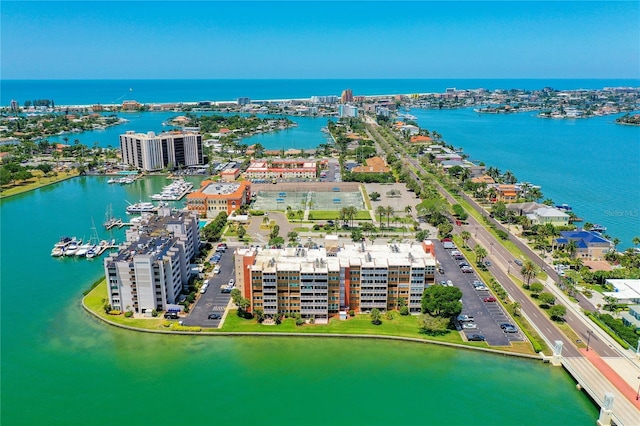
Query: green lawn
{"type": "Point", "coordinates": [334, 215]}
{"type": "Point", "coordinates": [405, 326]}
{"type": "Point", "coordinates": [38, 181]}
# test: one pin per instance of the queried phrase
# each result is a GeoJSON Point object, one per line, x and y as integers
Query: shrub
{"type": "Point", "coordinates": [128, 314]}
{"type": "Point", "coordinates": [404, 310]}
{"type": "Point", "coordinates": [316, 227]}
{"type": "Point", "coordinates": [256, 212]}
{"type": "Point", "coordinates": [114, 312]}
{"type": "Point", "coordinates": [299, 321]}
{"type": "Point", "coordinates": [352, 313]}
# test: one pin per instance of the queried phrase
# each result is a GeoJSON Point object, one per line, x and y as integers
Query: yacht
{"type": "Point", "coordinates": [60, 246]}
{"type": "Point", "coordinates": [598, 228]}
{"type": "Point", "coordinates": [142, 207]}
{"type": "Point", "coordinates": [72, 248]}
{"type": "Point", "coordinates": [84, 248]}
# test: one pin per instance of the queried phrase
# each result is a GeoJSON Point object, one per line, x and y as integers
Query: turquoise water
{"type": "Point", "coordinates": [306, 135]}
{"type": "Point", "coordinates": [591, 164]}
{"type": "Point", "coordinates": [62, 367]}
{"type": "Point", "coordinates": [88, 92]}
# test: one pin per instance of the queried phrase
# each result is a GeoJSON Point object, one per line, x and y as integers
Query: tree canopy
{"type": "Point", "coordinates": [442, 301]}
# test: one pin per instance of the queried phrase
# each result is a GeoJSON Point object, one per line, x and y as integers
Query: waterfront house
{"type": "Point", "coordinates": [625, 291]}
{"type": "Point", "coordinates": [548, 215]}
{"type": "Point", "coordinates": [631, 318]}
{"type": "Point", "coordinates": [589, 244]}
{"type": "Point", "coordinates": [507, 193]}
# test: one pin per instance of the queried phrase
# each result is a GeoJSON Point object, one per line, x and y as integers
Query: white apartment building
{"type": "Point", "coordinates": [151, 152]}
{"type": "Point", "coordinates": [152, 266]}
{"type": "Point", "coordinates": [321, 282]}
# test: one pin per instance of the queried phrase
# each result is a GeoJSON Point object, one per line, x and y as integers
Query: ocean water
{"type": "Point", "coordinates": [88, 92]}
{"type": "Point", "coordinates": [62, 367]}
{"type": "Point", "coordinates": [591, 164]}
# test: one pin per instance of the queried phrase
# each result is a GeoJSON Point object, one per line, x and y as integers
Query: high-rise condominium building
{"type": "Point", "coordinates": [151, 152]}
{"type": "Point", "coordinates": [321, 282]}
{"type": "Point", "coordinates": [150, 269]}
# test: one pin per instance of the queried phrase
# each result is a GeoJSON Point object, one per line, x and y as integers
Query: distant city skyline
{"type": "Point", "coordinates": [358, 40]}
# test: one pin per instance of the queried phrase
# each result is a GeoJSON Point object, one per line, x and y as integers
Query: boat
{"type": "Point", "coordinates": [141, 207]}
{"type": "Point", "coordinates": [92, 252]}
{"type": "Point", "coordinates": [174, 191]}
{"type": "Point", "coordinates": [598, 228]}
{"type": "Point", "coordinates": [72, 248]}
{"type": "Point", "coordinates": [60, 246]}
{"type": "Point", "coordinates": [83, 249]}
{"type": "Point", "coordinates": [112, 180]}
{"type": "Point", "coordinates": [566, 207]}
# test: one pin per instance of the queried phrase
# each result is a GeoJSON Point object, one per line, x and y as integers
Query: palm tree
{"type": "Point", "coordinates": [408, 210]}
{"type": "Point", "coordinates": [514, 309]}
{"type": "Point", "coordinates": [481, 253]}
{"type": "Point", "coordinates": [528, 271]}
{"type": "Point", "coordinates": [465, 235]}
{"type": "Point", "coordinates": [635, 241]}
{"type": "Point", "coordinates": [352, 212]}
{"type": "Point", "coordinates": [381, 211]}
{"type": "Point", "coordinates": [571, 248]}
{"type": "Point", "coordinates": [615, 242]}
{"type": "Point", "coordinates": [389, 212]}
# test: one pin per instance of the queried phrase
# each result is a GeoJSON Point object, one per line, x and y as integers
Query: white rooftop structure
{"type": "Point", "coordinates": [625, 290]}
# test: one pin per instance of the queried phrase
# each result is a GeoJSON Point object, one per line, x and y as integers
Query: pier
{"type": "Point", "coordinates": [116, 223]}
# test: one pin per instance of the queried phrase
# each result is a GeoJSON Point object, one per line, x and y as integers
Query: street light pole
{"type": "Point", "coordinates": [509, 268]}
{"type": "Point", "coordinates": [588, 339]}
{"type": "Point", "coordinates": [638, 393]}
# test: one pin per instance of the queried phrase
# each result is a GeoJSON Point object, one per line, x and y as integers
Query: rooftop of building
{"type": "Point", "coordinates": [322, 261]}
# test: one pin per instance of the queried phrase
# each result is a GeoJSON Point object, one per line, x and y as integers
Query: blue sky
{"type": "Point", "coordinates": [191, 40]}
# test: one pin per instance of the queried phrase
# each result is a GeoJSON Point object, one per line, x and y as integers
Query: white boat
{"type": "Point", "coordinates": [142, 207]}
{"type": "Point", "coordinates": [112, 180]}
{"type": "Point", "coordinates": [72, 248]}
{"type": "Point", "coordinates": [174, 191]}
{"type": "Point", "coordinates": [92, 252]}
{"type": "Point", "coordinates": [598, 228]}
{"type": "Point", "coordinates": [60, 246]}
{"type": "Point", "coordinates": [83, 249]}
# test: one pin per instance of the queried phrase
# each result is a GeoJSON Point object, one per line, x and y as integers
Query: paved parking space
{"type": "Point", "coordinates": [214, 300]}
{"type": "Point", "coordinates": [486, 315]}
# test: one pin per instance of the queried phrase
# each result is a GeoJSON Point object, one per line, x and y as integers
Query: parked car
{"type": "Point", "coordinates": [469, 326]}
{"type": "Point", "coordinates": [449, 283]}
{"type": "Point", "coordinates": [476, 337]}
{"type": "Point", "coordinates": [490, 299]}
{"type": "Point", "coordinates": [203, 289]}
{"type": "Point", "coordinates": [467, 269]}
{"type": "Point", "coordinates": [214, 316]}
{"type": "Point", "coordinates": [232, 282]}
{"type": "Point", "coordinates": [170, 315]}
{"type": "Point", "coordinates": [216, 270]}
{"type": "Point", "coordinates": [465, 318]}
{"type": "Point", "coordinates": [226, 289]}
{"type": "Point", "coordinates": [510, 329]}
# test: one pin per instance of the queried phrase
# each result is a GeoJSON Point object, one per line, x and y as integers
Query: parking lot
{"type": "Point", "coordinates": [486, 315]}
{"type": "Point", "coordinates": [213, 301]}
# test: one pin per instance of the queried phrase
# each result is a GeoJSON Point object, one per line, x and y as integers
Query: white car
{"type": "Point", "coordinates": [469, 326]}
{"type": "Point", "coordinates": [216, 270]}
{"type": "Point", "coordinates": [232, 282]}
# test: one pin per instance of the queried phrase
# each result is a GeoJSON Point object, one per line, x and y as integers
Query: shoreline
{"type": "Point", "coordinates": [538, 357]}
